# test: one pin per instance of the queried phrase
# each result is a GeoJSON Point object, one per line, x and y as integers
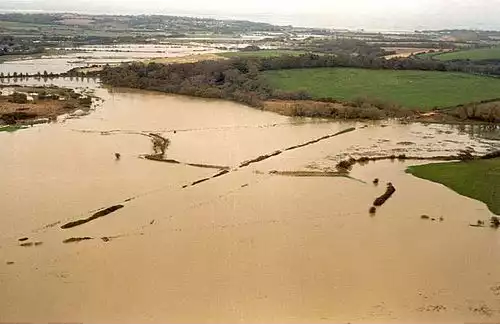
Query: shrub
{"type": "Point", "coordinates": [495, 222]}
{"type": "Point", "coordinates": [85, 101]}
{"type": "Point", "coordinates": [371, 113]}
{"type": "Point", "coordinates": [292, 95]}
{"type": "Point", "coordinates": [20, 98]}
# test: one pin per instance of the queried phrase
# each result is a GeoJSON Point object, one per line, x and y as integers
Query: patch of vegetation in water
{"type": "Point", "coordinates": [11, 128]}
{"type": "Point", "coordinates": [478, 179]}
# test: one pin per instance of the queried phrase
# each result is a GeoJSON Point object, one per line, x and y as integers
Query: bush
{"type": "Point", "coordinates": [486, 112]}
{"type": "Point", "coordinates": [74, 95]}
{"type": "Point", "coordinates": [43, 95]}
{"type": "Point", "coordinates": [69, 105]}
{"type": "Point", "coordinates": [371, 113]}
{"type": "Point", "coordinates": [85, 101]}
{"type": "Point", "coordinates": [495, 222]}
{"type": "Point", "coordinates": [346, 165]}
{"type": "Point", "coordinates": [20, 98]}
{"type": "Point", "coordinates": [250, 48]}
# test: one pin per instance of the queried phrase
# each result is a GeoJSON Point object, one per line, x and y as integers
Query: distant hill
{"type": "Point", "coordinates": [141, 23]}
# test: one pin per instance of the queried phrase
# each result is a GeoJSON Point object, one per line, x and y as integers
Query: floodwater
{"type": "Point", "coordinates": [246, 244]}
{"type": "Point", "coordinates": [99, 55]}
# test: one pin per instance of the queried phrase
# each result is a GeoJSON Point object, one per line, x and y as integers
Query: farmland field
{"type": "Point", "coordinates": [474, 54]}
{"type": "Point", "coordinates": [411, 89]}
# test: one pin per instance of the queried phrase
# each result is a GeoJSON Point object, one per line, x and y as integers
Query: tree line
{"type": "Point", "coordinates": [49, 75]}
{"type": "Point", "coordinates": [240, 79]}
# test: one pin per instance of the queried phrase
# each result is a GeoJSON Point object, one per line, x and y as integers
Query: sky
{"type": "Point", "coordinates": [352, 14]}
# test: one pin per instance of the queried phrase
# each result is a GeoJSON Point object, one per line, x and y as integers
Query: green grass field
{"type": "Point", "coordinates": [411, 89]}
{"type": "Point", "coordinates": [475, 179]}
{"type": "Point", "coordinates": [474, 54]}
{"type": "Point", "coordinates": [262, 53]}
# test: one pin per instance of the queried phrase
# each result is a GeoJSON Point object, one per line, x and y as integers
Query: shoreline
{"type": "Point", "coordinates": [320, 109]}
{"type": "Point", "coordinates": [345, 111]}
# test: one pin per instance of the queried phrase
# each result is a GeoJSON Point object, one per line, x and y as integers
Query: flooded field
{"type": "Point", "coordinates": [99, 55]}
{"type": "Point", "coordinates": [240, 217]}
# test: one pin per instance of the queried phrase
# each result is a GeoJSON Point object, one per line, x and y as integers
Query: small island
{"type": "Point", "coordinates": [29, 105]}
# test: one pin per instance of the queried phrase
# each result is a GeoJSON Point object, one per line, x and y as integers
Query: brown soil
{"type": "Point", "coordinates": [43, 108]}
{"type": "Point", "coordinates": [14, 113]}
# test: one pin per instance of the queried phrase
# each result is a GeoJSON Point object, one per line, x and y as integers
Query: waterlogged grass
{"type": "Point", "coordinates": [475, 179]}
{"type": "Point", "coordinates": [262, 53]}
{"type": "Point", "coordinates": [473, 55]}
{"type": "Point", "coordinates": [411, 89]}
{"type": "Point", "coordinates": [11, 128]}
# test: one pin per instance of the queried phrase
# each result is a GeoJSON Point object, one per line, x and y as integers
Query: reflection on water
{"type": "Point", "coordinates": [245, 244]}
{"type": "Point", "coordinates": [488, 131]}
{"type": "Point", "coordinates": [68, 82]}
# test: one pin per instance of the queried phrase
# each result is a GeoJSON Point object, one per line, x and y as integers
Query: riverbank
{"type": "Point", "coordinates": [478, 113]}
{"type": "Point", "coordinates": [312, 85]}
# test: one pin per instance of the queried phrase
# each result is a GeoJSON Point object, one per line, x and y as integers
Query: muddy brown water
{"type": "Point", "coordinates": [251, 243]}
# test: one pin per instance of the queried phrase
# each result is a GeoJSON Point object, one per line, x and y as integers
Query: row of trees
{"type": "Point", "coordinates": [237, 80]}
{"type": "Point", "coordinates": [240, 79]}
{"type": "Point", "coordinates": [342, 46]}
{"type": "Point", "coordinates": [45, 74]}
{"type": "Point", "coordinates": [21, 75]}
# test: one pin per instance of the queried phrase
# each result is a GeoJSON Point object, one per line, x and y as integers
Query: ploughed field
{"type": "Point", "coordinates": [423, 90]}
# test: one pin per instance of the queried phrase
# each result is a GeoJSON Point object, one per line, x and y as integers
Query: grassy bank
{"type": "Point", "coordinates": [473, 55]}
{"type": "Point", "coordinates": [478, 179]}
{"type": "Point", "coordinates": [412, 89]}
